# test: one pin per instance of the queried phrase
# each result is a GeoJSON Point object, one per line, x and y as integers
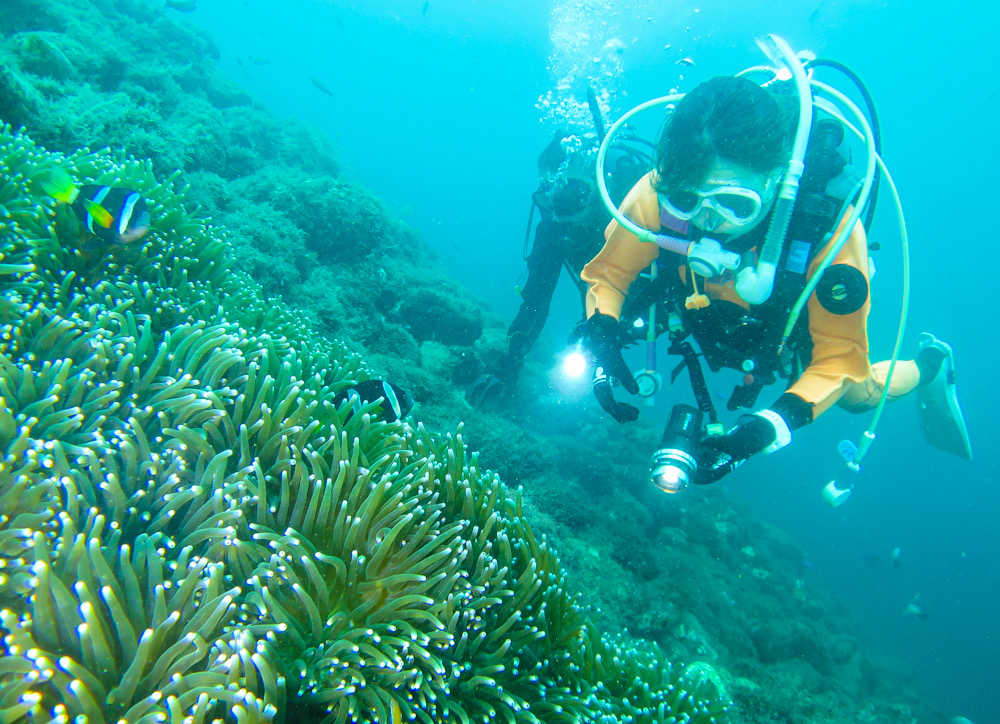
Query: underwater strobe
{"type": "Point", "coordinates": [674, 464]}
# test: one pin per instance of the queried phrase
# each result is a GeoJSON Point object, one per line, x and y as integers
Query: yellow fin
{"type": "Point", "coordinates": [58, 184]}
{"type": "Point", "coordinates": [101, 215]}
{"type": "Point", "coordinates": [397, 714]}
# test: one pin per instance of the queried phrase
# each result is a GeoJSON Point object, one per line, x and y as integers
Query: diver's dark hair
{"type": "Point", "coordinates": [728, 118]}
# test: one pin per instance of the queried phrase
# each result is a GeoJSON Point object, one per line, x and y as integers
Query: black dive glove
{"type": "Point", "coordinates": [719, 455]}
{"type": "Point", "coordinates": [765, 431]}
{"type": "Point", "coordinates": [599, 336]}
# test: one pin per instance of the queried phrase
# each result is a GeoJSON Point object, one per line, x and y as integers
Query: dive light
{"type": "Point", "coordinates": [674, 464]}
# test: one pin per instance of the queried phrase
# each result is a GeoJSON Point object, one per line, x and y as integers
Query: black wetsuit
{"type": "Point", "coordinates": [557, 245]}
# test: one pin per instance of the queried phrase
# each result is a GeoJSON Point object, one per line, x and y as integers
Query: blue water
{"type": "Point", "coordinates": [439, 113]}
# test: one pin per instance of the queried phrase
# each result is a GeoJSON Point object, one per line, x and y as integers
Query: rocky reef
{"type": "Point", "coordinates": [171, 445]}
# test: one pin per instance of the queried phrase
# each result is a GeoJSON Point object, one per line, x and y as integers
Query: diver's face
{"type": "Point", "coordinates": [732, 200]}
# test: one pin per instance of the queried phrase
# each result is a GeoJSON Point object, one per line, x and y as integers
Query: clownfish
{"type": "Point", "coordinates": [395, 403]}
{"type": "Point", "coordinates": [114, 216]}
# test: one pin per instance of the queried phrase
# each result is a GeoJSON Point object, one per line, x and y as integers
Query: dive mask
{"type": "Point", "coordinates": [737, 205]}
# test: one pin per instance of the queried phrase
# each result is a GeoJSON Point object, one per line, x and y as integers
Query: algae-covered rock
{"type": "Point", "coordinates": [32, 15]}
{"type": "Point", "coordinates": [435, 316]}
{"type": "Point", "coordinates": [47, 54]}
{"type": "Point", "coordinates": [19, 101]}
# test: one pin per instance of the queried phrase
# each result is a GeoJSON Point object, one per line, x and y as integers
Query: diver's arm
{"type": "Point", "coordinates": [840, 356]}
{"type": "Point", "coordinates": [840, 341]}
{"type": "Point", "coordinates": [609, 274]}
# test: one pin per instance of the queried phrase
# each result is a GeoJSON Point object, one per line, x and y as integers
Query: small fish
{"type": "Point", "coordinates": [396, 714]}
{"type": "Point", "coordinates": [425, 7]}
{"type": "Point", "coordinates": [822, 12]}
{"type": "Point", "coordinates": [873, 560]}
{"type": "Point", "coordinates": [396, 402]}
{"type": "Point", "coordinates": [915, 609]}
{"type": "Point", "coordinates": [685, 61]}
{"type": "Point", "coordinates": [896, 557]}
{"type": "Point", "coordinates": [321, 86]}
{"type": "Point", "coordinates": [182, 6]}
{"type": "Point", "coordinates": [115, 216]}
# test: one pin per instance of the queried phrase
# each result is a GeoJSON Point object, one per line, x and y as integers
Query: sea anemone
{"type": "Point", "coordinates": [194, 531]}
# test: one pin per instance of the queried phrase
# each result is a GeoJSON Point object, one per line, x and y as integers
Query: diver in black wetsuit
{"type": "Point", "coordinates": [569, 234]}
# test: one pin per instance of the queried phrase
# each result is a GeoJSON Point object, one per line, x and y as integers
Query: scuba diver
{"type": "Point", "coordinates": [751, 217]}
{"type": "Point", "coordinates": [568, 234]}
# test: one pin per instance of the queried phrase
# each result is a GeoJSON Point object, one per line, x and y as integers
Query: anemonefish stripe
{"type": "Point", "coordinates": [126, 214]}
{"type": "Point", "coordinates": [390, 397]}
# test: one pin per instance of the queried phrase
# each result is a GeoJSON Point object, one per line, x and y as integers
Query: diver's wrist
{"type": "Point", "coordinates": [782, 433]}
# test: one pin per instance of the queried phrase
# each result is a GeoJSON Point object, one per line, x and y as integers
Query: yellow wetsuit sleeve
{"type": "Point", "coordinates": [609, 274]}
{"type": "Point", "coordinates": [840, 341]}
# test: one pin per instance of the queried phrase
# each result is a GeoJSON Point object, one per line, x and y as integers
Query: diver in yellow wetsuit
{"type": "Point", "coordinates": [719, 163]}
